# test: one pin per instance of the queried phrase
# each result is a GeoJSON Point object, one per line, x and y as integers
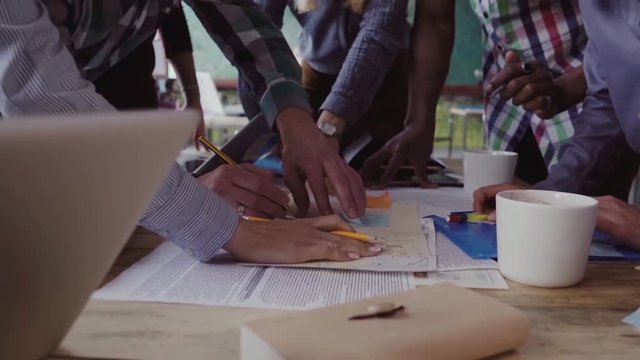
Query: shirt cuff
{"type": "Point", "coordinates": [343, 107]}
{"type": "Point", "coordinates": [543, 185]}
{"type": "Point", "coordinates": [553, 183]}
{"type": "Point", "coordinates": [189, 215]}
{"type": "Point", "coordinates": [282, 95]}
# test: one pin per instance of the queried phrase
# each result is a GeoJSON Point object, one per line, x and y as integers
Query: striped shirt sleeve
{"type": "Point", "coordinates": [39, 76]}
{"type": "Point", "coordinates": [257, 48]}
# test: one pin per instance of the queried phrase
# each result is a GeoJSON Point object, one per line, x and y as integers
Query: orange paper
{"type": "Point", "coordinates": [379, 202]}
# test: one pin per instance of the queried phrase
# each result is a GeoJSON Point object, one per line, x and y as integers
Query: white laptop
{"type": "Point", "coordinates": [71, 192]}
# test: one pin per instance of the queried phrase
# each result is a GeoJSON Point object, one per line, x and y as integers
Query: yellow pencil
{"type": "Point", "coordinates": [217, 151]}
{"type": "Point", "coordinates": [349, 234]}
{"type": "Point", "coordinates": [355, 235]}
{"type": "Point", "coordinates": [255, 218]}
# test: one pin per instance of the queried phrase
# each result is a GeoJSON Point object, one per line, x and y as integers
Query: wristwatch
{"type": "Point", "coordinates": [328, 129]}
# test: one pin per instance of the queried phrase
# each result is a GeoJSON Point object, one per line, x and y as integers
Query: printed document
{"type": "Point", "coordinates": [475, 279]}
{"type": "Point", "coordinates": [170, 275]}
{"type": "Point", "coordinates": [440, 202]}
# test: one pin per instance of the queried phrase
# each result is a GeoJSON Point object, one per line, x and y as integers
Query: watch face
{"type": "Point", "coordinates": [327, 129]}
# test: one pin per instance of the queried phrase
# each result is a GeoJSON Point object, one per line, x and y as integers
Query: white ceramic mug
{"type": "Point", "coordinates": [544, 236]}
{"type": "Point", "coordinates": [488, 167]}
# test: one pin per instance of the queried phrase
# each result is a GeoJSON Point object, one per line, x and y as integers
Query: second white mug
{"type": "Point", "coordinates": [488, 167]}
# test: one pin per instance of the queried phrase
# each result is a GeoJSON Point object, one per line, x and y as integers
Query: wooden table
{"type": "Point", "coordinates": [575, 323]}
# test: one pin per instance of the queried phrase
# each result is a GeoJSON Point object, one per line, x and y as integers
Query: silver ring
{"type": "Point", "coordinates": [241, 209]}
{"type": "Point", "coordinates": [331, 244]}
{"type": "Point", "coordinates": [526, 67]}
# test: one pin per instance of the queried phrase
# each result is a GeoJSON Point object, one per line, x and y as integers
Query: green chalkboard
{"type": "Point", "coordinates": [466, 54]}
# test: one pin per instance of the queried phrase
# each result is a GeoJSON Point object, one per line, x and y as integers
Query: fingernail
{"type": "Point", "coordinates": [354, 256]}
{"type": "Point", "coordinates": [375, 248]}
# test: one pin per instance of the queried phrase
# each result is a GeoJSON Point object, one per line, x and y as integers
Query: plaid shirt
{"type": "Point", "coordinates": [101, 33]}
{"type": "Point", "coordinates": [549, 32]}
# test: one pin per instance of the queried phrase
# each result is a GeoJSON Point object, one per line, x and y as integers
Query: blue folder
{"type": "Point", "coordinates": [479, 240]}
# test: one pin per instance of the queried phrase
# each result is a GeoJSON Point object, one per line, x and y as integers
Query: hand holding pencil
{"type": "Point", "coordinates": [246, 186]}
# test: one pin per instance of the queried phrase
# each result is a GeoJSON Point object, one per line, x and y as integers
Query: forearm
{"type": "Point", "coordinates": [184, 66]}
{"type": "Point", "coordinates": [186, 213]}
{"type": "Point", "coordinates": [381, 36]}
{"type": "Point", "coordinates": [175, 34]}
{"type": "Point", "coordinates": [573, 88]}
{"type": "Point", "coordinates": [429, 69]}
{"type": "Point", "coordinates": [431, 47]}
{"type": "Point", "coordinates": [257, 48]}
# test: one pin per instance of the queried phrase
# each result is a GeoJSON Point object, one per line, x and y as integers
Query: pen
{"type": "Point", "coordinates": [348, 234]}
{"type": "Point", "coordinates": [217, 151]}
{"type": "Point", "coordinates": [459, 217]}
{"type": "Point", "coordinates": [526, 67]}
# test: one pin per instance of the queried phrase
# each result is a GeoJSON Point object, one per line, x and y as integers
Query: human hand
{"type": "Point", "coordinates": [308, 154]}
{"type": "Point", "coordinates": [249, 186]}
{"type": "Point", "coordinates": [296, 241]}
{"type": "Point", "coordinates": [528, 84]}
{"type": "Point", "coordinates": [193, 102]}
{"type": "Point", "coordinates": [484, 198]}
{"type": "Point", "coordinates": [411, 144]}
{"type": "Point", "coordinates": [619, 219]}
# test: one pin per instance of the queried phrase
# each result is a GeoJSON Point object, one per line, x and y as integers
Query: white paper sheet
{"type": "Point", "coordinates": [475, 279]}
{"type": "Point", "coordinates": [601, 249]}
{"type": "Point", "coordinates": [410, 246]}
{"type": "Point", "coordinates": [440, 202]}
{"type": "Point", "coordinates": [451, 257]}
{"type": "Point", "coordinates": [170, 275]}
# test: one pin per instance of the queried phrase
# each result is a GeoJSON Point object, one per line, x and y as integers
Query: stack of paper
{"type": "Point", "coordinates": [170, 275]}
{"type": "Point", "coordinates": [456, 267]}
